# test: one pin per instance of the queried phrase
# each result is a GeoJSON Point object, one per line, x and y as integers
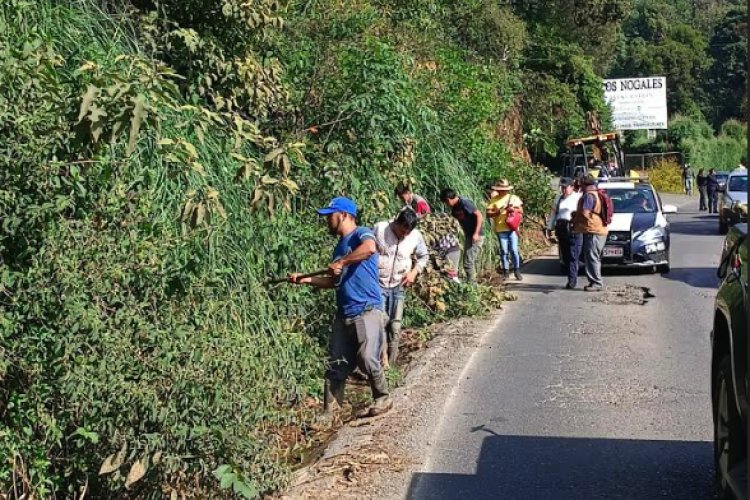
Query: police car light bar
{"type": "Point", "coordinates": [625, 179]}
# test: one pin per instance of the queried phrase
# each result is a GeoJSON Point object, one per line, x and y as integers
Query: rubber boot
{"type": "Point", "coordinates": [517, 274]}
{"type": "Point", "coordinates": [333, 393]}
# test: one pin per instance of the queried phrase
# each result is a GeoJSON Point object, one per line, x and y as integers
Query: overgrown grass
{"type": "Point", "coordinates": [137, 338]}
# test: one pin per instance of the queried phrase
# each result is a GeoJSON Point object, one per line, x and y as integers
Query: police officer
{"type": "Point", "coordinates": [559, 221]}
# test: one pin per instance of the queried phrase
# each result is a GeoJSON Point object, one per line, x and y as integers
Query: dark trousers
{"type": "Point", "coordinates": [563, 234]}
{"type": "Point", "coordinates": [713, 202]}
{"type": "Point", "coordinates": [704, 198]}
{"type": "Point", "coordinates": [570, 249]}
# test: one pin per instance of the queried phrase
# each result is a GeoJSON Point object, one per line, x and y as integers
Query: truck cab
{"type": "Point", "coordinates": [603, 149]}
{"type": "Point", "coordinates": [729, 374]}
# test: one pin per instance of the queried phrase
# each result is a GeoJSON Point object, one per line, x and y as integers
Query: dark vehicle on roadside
{"type": "Point", "coordinates": [729, 375]}
{"type": "Point", "coordinates": [733, 200]}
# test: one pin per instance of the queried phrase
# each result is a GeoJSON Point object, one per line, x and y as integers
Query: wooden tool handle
{"type": "Point", "coordinates": [308, 275]}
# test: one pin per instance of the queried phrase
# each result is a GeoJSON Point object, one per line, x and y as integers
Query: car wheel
{"type": "Point", "coordinates": [663, 268]}
{"type": "Point", "coordinates": [728, 436]}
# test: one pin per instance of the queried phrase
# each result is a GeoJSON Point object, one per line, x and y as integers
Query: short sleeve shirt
{"type": "Point", "coordinates": [357, 288]}
{"type": "Point", "coordinates": [589, 201]}
{"type": "Point", "coordinates": [419, 205]}
{"type": "Point", "coordinates": [463, 211]}
{"type": "Point", "coordinates": [499, 224]}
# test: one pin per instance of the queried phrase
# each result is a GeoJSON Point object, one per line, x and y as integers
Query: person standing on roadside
{"type": "Point", "coordinates": [398, 241]}
{"type": "Point", "coordinates": [570, 243]}
{"type": "Point", "coordinates": [712, 188]}
{"type": "Point", "coordinates": [413, 200]}
{"type": "Point", "coordinates": [588, 221]}
{"type": "Point", "coordinates": [503, 203]}
{"type": "Point", "coordinates": [702, 182]}
{"type": "Point", "coordinates": [687, 179]}
{"type": "Point", "coordinates": [357, 332]}
{"type": "Point", "coordinates": [471, 219]}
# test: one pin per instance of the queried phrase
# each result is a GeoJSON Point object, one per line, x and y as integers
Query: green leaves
{"type": "Point", "coordinates": [90, 436]}
{"type": "Point", "coordinates": [120, 96]}
{"type": "Point", "coordinates": [140, 210]}
{"type": "Point", "coordinates": [230, 479]}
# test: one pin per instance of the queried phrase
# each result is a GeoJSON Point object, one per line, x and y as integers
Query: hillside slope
{"type": "Point", "coordinates": [159, 164]}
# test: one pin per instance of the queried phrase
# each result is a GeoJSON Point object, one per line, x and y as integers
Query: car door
{"type": "Point", "coordinates": [736, 285]}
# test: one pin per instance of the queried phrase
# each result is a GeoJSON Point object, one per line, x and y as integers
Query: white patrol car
{"type": "Point", "coordinates": [733, 200]}
{"type": "Point", "coordinates": [639, 232]}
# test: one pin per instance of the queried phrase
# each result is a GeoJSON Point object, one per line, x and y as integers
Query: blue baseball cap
{"type": "Point", "coordinates": [340, 204]}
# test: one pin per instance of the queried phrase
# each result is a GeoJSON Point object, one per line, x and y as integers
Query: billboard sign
{"type": "Point", "coordinates": [637, 103]}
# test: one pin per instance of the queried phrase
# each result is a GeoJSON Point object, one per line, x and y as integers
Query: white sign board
{"type": "Point", "coordinates": [637, 103]}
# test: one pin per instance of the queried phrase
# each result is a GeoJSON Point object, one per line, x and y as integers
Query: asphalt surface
{"type": "Point", "coordinates": [578, 395]}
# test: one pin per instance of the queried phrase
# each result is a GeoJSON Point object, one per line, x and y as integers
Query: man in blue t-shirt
{"type": "Point", "coordinates": [358, 328]}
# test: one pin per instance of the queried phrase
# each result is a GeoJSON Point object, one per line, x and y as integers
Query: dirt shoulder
{"type": "Point", "coordinates": [375, 458]}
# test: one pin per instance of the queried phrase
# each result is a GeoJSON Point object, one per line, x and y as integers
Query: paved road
{"type": "Point", "coordinates": [574, 399]}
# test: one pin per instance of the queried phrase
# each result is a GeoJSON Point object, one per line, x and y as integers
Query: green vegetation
{"type": "Point", "coordinates": [701, 47]}
{"type": "Point", "coordinates": [161, 159]}
{"type": "Point", "coordinates": [696, 140]}
{"type": "Point", "coordinates": [666, 177]}
{"type": "Point", "coordinates": [156, 169]}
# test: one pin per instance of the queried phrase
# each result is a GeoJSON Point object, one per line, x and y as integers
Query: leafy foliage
{"type": "Point", "coordinates": [727, 76]}
{"type": "Point", "coordinates": [666, 177]}
{"type": "Point", "coordinates": [160, 161]}
{"type": "Point", "coordinates": [694, 137]}
{"type": "Point", "coordinates": [700, 45]}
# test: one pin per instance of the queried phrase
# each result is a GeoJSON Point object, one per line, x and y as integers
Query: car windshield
{"type": "Point", "coordinates": [737, 183]}
{"type": "Point", "coordinates": [633, 200]}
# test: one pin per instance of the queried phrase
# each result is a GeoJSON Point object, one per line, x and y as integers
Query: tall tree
{"type": "Point", "coordinates": [727, 77]}
{"type": "Point", "coordinates": [592, 24]}
{"type": "Point", "coordinates": [657, 43]}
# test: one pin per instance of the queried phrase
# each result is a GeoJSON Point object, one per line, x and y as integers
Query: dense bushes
{"type": "Point", "coordinates": [124, 328]}
{"type": "Point", "coordinates": [666, 177]}
{"type": "Point", "coordinates": [695, 139]}
{"type": "Point", "coordinates": [141, 210]}
{"type": "Point", "coordinates": [702, 149]}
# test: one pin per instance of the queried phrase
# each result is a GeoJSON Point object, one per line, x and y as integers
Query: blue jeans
{"type": "Point", "coordinates": [509, 243]}
{"type": "Point", "coordinates": [394, 310]}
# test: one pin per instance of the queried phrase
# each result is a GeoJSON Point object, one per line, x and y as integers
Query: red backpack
{"type": "Point", "coordinates": [608, 208]}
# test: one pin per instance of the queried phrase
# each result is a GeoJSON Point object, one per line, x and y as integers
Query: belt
{"type": "Point", "coordinates": [562, 222]}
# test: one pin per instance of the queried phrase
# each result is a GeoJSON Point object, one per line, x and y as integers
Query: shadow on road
{"type": "Point", "coordinates": [529, 467]}
{"type": "Point", "coordinates": [700, 277]}
{"type": "Point", "coordinates": [543, 266]}
{"type": "Point", "coordinates": [702, 225]}
{"type": "Point", "coordinates": [515, 286]}
{"type": "Point", "coordinates": [550, 266]}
